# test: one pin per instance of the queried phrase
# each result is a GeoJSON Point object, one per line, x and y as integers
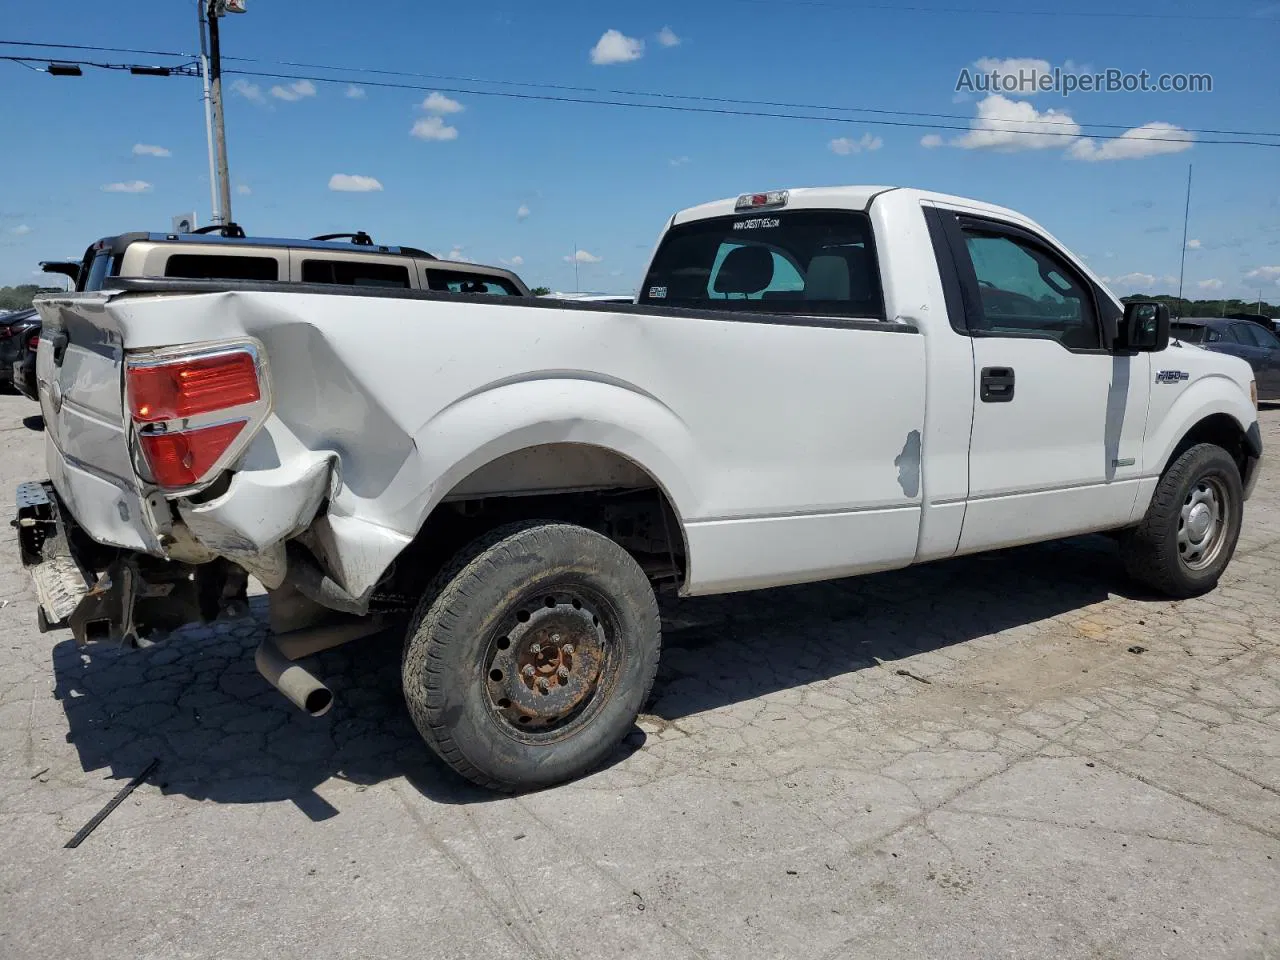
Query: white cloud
{"type": "Point", "coordinates": [845, 146]}
{"type": "Point", "coordinates": [1212, 284]}
{"type": "Point", "coordinates": [128, 186]}
{"type": "Point", "coordinates": [21, 230]}
{"type": "Point", "coordinates": [516, 261]}
{"type": "Point", "coordinates": [457, 255]}
{"type": "Point", "coordinates": [1193, 244]}
{"type": "Point", "coordinates": [679, 161]}
{"type": "Point", "coordinates": [294, 91]}
{"type": "Point", "coordinates": [616, 47]}
{"type": "Point", "coordinates": [243, 189]}
{"type": "Point", "coordinates": [1022, 74]}
{"type": "Point", "coordinates": [523, 212]}
{"type": "Point", "coordinates": [1148, 140]}
{"type": "Point", "coordinates": [354, 92]}
{"type": "Point", "coordinates": [1008, 126]}
{"type": "Point", "coordinates": [1136, 280]}
{"type": "Point", "coordinates": [668, 38]}
{"type": "Point", "coordinates": [250, 91]}
{"type": "Point", "coordinates": [438, 103]}
{"type": "Point", "coordinates": [1264, 273]}
{"type": "Point", "coordinates": [149, 150]}
{"type": "Point", "coordinates": [353, 183]}
{"type": "Point", "coordinates": [581, 256]}
{"type": "Point", "coordinates": [433, 128]}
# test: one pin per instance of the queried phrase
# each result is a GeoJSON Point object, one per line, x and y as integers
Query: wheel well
{"type": "Point", "coordinates": [1219, 429]}
{"type": "Point", "coordinates": [570, 483]}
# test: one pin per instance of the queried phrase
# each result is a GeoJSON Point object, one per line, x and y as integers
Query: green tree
{"type": "Point", "coordinates": [540, 291]}
{"type": "Point", "coordinates": [17, 298]}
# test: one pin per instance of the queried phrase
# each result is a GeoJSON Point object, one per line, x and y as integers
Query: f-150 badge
{"type": "Point", "coordinates": [1172, 376]}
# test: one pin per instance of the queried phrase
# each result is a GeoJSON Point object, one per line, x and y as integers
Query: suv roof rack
{"type": "Point", "coordinates": [233, 230]}
{"type": "Point", "coordinates": [359, 238]}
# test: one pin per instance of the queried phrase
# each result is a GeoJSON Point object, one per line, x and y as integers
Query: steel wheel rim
{"type": "Point", "coordinates": [550, 661]}
{"type": "Point", "coordinates": [1202, 523]}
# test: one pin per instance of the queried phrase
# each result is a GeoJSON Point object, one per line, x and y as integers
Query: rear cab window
{"type": "Point", "coordinates": [799, 262]}
{"type": "Point", "coordinates": [1189, 333]}
{"type": "Point", "coordinates": [451, 281]}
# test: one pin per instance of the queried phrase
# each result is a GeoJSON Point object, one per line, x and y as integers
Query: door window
{"type": "Point", "coordinates": [360, 273]}
{"type": "Point", "coordinates": [1255, 335]}
{"type": "Point", "coordinates": [1026, 291]}
{"type": "Point", "coordinates": [213, 266]}
{"type": "Point", "coordinates": [459, 282]}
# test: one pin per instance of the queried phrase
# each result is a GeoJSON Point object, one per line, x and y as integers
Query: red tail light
{"type": "Point", "coordinates": [192, 386]}
{"type": "Point", "coordinates": [191, 410]}
{"type": "Point", "coordinates": [34, 342]}
{"type": "Point", "coordinates": [182, 459]}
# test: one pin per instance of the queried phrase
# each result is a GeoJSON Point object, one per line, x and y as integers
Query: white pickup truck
{"type": "Point", "coordinates": [811, 384]}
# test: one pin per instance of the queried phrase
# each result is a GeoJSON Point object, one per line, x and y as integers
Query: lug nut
{"type": "Point", "coordinates": [528, 670]}
{"type": "Point", "coordinates": [555, 638]}
{"type": "Point", "coordinates": [536, 649]}
{"type": "Point", "coordinates": [563, 673]}
{"type": "Point", "coordinates": [543, 686]}
{"type": "Point", "coordinates": [567, 648]}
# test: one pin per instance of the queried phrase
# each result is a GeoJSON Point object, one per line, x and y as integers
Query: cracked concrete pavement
{"type": "Point", "coordinates": [963, 760]}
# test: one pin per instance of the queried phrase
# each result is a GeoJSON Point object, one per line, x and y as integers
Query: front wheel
{"type": "Point", "coordinates": [1189, 533]}
{"type": "Point", "coordinates": [531, 654]}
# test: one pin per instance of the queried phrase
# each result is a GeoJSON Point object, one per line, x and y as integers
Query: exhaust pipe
{"type": "Point", "coordinates": [295, 682]}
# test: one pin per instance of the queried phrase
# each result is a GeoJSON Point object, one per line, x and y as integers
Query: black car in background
{"type": "Point", "coordinates": [15, 330]}
{"type": "Point", "coordinates": [1241, 338]}
{"type": "Point", "coordinates": [24, 368]}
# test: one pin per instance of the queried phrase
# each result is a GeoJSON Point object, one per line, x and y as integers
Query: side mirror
{"type": "Point", "coordinates": [1145, 327]}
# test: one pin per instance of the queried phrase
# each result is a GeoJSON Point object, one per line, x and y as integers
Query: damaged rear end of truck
{"type": "Point", "coordinates": [174, 477]}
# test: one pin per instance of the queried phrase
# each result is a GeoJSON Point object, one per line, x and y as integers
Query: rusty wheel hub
{"type": "Point", "coordinates": [546, 665]}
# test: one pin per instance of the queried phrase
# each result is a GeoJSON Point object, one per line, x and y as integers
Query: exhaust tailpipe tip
{"type": "Point", "coordinates": [298, 684]}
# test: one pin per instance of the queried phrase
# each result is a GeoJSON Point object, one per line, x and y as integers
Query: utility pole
{"type": "Point", "coordinates": [201, 10]}
{"type": "Point", "coordinates": [1186, 216]}
{"type": "Point", "coordinates": [219, 126]}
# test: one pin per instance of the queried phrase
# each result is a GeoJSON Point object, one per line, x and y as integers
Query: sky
{"type": "Point", "coordinates": [574, 195]}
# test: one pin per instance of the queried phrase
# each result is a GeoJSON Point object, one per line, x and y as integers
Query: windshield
{"type": "Point", "coordinates": [818, 262]}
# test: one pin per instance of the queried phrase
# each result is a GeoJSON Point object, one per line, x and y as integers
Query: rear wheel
{"type": "Point", "coordinates": [1189, 533]}
{"type": "Point", "coordinates": [531, 654]}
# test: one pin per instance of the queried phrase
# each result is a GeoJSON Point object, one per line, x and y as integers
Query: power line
{"type": "Point", "coordinates": [80, 46]}
{"type": "Point", "coordinates": [1019, 126]}
{"type": "Point", "coordinates": [179, 70]}
{"type": "Point", "coordinates": [726, 111]}
{"type": "Point", "coordinates": [697, 98]}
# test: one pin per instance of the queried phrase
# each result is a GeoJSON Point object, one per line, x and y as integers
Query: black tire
{"type": "Point", "coordinates": [484, 616]}
{"type": "Point", "coordinates": [1158, 553]}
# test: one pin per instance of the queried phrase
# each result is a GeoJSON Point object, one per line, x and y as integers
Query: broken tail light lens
{"type": "Point", "coordinates": [187, 387]}
{"type": "Point", "coordinates": [183, 459]}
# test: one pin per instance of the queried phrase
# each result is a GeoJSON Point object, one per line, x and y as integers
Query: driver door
{"type": "Point", "coordinates": [1058, 418]}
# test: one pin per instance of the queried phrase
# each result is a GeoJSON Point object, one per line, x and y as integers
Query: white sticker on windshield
{"type": "Point", "coordinates": [759, 223]}
{"type": "Point", "coordinates": [657, 293]}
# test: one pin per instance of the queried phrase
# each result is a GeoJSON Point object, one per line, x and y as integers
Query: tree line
{"type": "Point", "coordinates": [19, 297]}
{"type": "Point", "coordinates": [1211, 308]}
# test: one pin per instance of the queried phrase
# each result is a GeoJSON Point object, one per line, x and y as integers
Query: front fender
{"type": "Point", "coordinates": [1216, 393]}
